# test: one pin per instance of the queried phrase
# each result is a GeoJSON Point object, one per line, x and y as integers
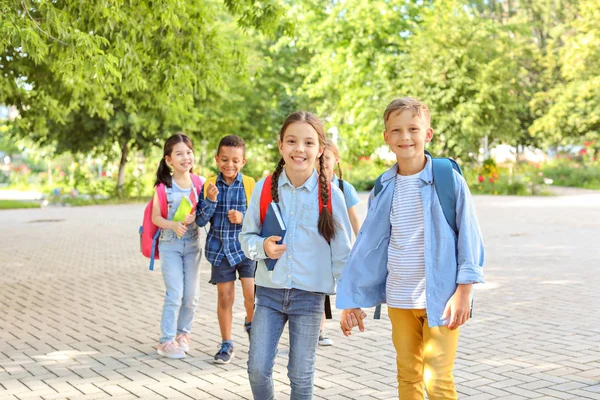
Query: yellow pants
{"type": "Point", "coordinates": [425, 356]}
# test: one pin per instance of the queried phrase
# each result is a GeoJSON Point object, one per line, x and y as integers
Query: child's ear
{"type": "Point", "coordinates": [385, 136]}
{"type": "Point", "coordinates": [280, 145]}
{"type": "Point", "coordinates": [243, 162]}
{"type": "Point", "coordinates": [429, 135]}
{"type": "Point", "coordinates": [217, 158]}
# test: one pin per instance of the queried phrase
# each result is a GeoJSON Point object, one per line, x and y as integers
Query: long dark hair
{"type": "Point", "coordinates": [326, 223]}
{"type": "Point", "coordinates": [163, 174]}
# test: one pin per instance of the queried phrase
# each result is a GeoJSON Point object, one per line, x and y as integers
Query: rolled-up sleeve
{"type": "Point", "coordinates": [252, 242]}
{"type": "Point", "coordinates": [470, 250]}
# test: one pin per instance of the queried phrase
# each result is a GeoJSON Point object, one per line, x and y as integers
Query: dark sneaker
{"type": "Point", "coordinates": [248, 328]}
{"type": "Point", "coordinates": [225, 354]}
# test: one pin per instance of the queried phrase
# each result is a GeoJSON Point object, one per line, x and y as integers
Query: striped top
{"type": "Point", "coordinates": [405, 286]}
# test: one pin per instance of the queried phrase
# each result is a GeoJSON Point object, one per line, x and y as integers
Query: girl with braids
{"type": "Point", "coordinates": [313, 252]}
{"type": "Point", "coordinates": [331, 158]}
{"type": "Point", "coordinates": [178, 245]}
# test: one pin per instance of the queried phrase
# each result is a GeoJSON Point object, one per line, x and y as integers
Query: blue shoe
{"type": "Point", "coordinates": [225, 354]}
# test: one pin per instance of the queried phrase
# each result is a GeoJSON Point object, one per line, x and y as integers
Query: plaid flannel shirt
{"type": "Point", "coordinates": [222, 239]}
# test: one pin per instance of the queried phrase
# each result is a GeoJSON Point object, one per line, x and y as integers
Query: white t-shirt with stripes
{"type": "Point", "coordinates": [405, 286]}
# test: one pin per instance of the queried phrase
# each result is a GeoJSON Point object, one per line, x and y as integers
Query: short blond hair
{"type": "Point", "coordinates": [407, 103]}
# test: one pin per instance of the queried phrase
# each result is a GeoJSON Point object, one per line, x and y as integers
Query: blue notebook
{"type": "Point", "coordinates": [273, 225]}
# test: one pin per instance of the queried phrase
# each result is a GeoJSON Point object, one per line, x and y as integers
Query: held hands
{"type": "Point", "coordinates": [235, 217]}
{"type": "Point", "coordinates": [212, 192]}
{"type": "Point", "coordinates": [272, 249]}
{"type": "Point", "coordinates": [458, 307]}
{"type": "Point", "coordinates": [189, 218]}
{"type": "Point", "coordinates": [351, 318]}
{"type": "Point", "coordinates": [179, 228]}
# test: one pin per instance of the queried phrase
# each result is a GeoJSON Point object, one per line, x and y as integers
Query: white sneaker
{"type": "Point", "coordinates": [170, 350]}
{"type": "Point", "coordinates": [325, 341]}
{"type": "Point", "coordinates": [183, 341]}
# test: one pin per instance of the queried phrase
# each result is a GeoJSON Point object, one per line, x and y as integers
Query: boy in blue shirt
{"type": "Point", "coordinates": [408, 256]}
{"type": "Point", "coordinates": [223, 204]}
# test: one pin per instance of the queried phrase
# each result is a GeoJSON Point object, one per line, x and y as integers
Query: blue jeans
{"type": "Point", "coordinates": [180, 266]}
{"type": "Point", "coordinates": [275, 307]}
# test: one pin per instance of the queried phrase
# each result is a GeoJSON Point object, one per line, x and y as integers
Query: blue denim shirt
{"type": "Point", "coordinates": [309, 262]}
{"type": "Point", "coordinates": [450, 259]}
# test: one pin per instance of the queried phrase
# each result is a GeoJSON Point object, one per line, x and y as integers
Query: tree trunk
{"type": "Point", "coordinates": [122, 163]}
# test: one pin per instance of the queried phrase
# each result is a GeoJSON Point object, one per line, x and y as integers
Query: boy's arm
{"type": "Point", "coordinates": [205, 210]}
{"type": "Point", "coordinates": [250, 239]}
{"type": "Point", "coordinates": [341, 243]}
{"type": "Point", "coordinates": [470, 251]}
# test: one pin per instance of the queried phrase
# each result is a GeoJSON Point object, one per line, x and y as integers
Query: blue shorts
{"type": "Point", "coordinates": [226, 273]}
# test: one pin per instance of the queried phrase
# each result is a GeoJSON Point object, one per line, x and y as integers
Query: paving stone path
{"type": "Point", "coordinates": [80, 313]}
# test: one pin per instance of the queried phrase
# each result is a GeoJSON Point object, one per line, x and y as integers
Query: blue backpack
{"type": "Point", "coordinates": [443, 182]}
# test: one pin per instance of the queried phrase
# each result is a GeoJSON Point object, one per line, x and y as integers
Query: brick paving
{"type": "Point", "coordinates": [80, 314]}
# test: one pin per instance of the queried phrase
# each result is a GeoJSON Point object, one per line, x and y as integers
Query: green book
{"type": "Point", "coordinates": [183, 210]}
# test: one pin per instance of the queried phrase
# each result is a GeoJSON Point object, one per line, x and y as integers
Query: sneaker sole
{"type": "Point", "coordinates": [223, 362]}
{"type": "Point", "coordinates": [325, 344]}
{"type": "Point", "coordinates": [171, 356]}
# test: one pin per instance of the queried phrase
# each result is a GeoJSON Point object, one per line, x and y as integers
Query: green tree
{"type": "Point", "coordinates": [570, 109]}
{"type": "Point", "coordinates": [470, 72]}
{"type": "Point", "coordinates": [87, 76]}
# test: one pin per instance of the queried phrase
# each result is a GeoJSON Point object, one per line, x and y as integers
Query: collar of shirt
{"type": "Point", "coordinates": [220, 178]}
{"type": "Point", "coordinates": [309, 185]}
{"type": "Point", "coordinates": [426, 174]}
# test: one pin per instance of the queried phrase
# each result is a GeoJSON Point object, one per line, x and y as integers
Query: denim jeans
{"type": "Point", "coordinates": [275, 307]}
{"type": "Point", "coordinates": [180, 266]}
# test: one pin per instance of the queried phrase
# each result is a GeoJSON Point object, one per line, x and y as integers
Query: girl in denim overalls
{"type": "Point", "coordinates": [315, 247]}
{"type": "Point", "coordinates": [179, 247]}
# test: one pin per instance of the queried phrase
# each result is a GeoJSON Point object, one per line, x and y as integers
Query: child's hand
{"type": "Point", "coordinates": [190, 218]}
{"type": "Point", "coordinates": [179, 228]}
{"type": "Point", "coordinates": [458, 307]}
{"type": "Point", "coordinates": [212, 192]}
{"type": "Point", "coordinates": [272, 249]}
{"type": "Point", "coordinates": [351, 318]}
{"type": "Point", "coordinates": [235, 217]}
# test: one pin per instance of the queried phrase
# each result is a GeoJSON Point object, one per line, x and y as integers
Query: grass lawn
{"type": "Point", "coordinates": [13, 204]}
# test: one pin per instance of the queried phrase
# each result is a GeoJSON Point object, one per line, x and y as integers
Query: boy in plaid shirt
{"type": "Point", "coordinates": [224, 204]}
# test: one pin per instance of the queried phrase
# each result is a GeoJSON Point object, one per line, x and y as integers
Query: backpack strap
{"type": "Point", "coordinates": [265, 198]}
{"type": "Point", "coordinates": [197, 182]}
{"type": "Point", "coordinates": [163, 200]}
{"type": "Point", "coordinates": [341, 185]}
{"type": "Point", "coordinates": [248, 183]}
{"type": "Point", "coordinates": [443, 181]}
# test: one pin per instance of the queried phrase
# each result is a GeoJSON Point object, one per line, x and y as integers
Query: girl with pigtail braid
{"type": "Point", "coordinates": [326, 167]}
{"type": "Point", "coordinates": [309, 260]}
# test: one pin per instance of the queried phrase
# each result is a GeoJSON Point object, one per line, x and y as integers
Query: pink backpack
{"type": "Point", "coordinates": [149, 232]}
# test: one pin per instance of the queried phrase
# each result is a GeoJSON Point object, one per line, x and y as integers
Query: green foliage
{"type": "Point", "coordinates": [112, 79]}
{"type": "Point", "coordinates": [569, 108]}
{"type": "Point", "coordinates": [362, 174]}
{"type": "Point", "coordinates": [573, 174]}
{"type": "Point", "coordinates": [15, 204]}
